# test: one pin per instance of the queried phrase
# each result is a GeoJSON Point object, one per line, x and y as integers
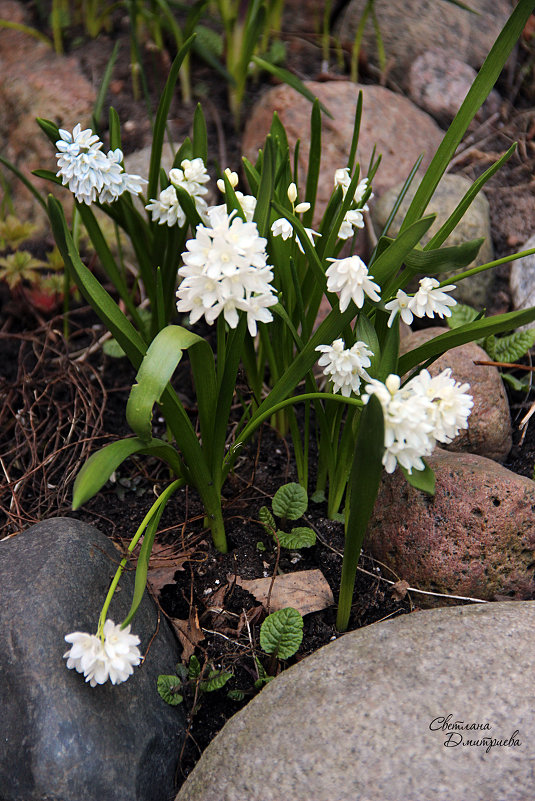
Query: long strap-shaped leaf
{"type": "Point", "coordinates": [465, 333]}
{"type": "Point", "coordinates": [481, 87]}
{"type": "Point", "coordinates": [363, 487]}
{"type": "Point", "coordinates": [161, 118]}
{"type": "Point", "coordinates": [155, 372]}
{"type": "Point", "coordinates": [99, 467]}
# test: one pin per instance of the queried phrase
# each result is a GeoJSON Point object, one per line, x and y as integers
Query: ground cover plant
{"type": "Point", "coordinates": [253, 272]}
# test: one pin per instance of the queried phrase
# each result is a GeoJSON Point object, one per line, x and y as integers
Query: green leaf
{"type": "Point", "coordinates": [99, 467]}
{"type": "Point", "coordinates": [267, 520]}
{"type": "Point", "coordinates": [510, 348]}
{"type": "Point", "coordinates": [281, 633]}
{"type": "Point", "coordinates": [236, 695]}
{"type": "Point", "coordinates": [363, 487]}
{"type": "Point", "coordinates": [169, 689]}
{"type": "Point", "coordinates": [518, 384]}
{"type": "Point", "coordinates": [200, 142]}
{"type": "Point", "coordinates": [290, 501]}
{"type": "Point", "coordinates": [421, 479]}
{"type": "Point", "coordinates": [461, 314]}
{"type": "Point", "coordinates": [112, 349]}
{"type": "Point", "coordinates": [442, 260]}
{"type": "Point", "coordinates": [194, 668]}
{"type": "Point", "coordinates": [157, 367]}
{"type": "Point", "coordinates": [300, 537]}
{"type": "Point", "coordinates": [263, 677]}
{"type": "Point", "coordinates": [215, 682]}
{"type": "Point", "coordinates": [465, 333]}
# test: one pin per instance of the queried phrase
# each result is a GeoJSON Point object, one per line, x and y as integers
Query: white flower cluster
{"type": "Point", "coordinates": [354, 217]}
{"type": "Point", "coordinates": [345, 367]}
{"type": "Point", "coordinates": [225, 270]}
{"type": "Point", "coordinates": [113, 657]}
{"type": "Point", "coordinates": [428, 301]}
{"type": "Point", "coordinates": [426, 410]}
{"type": "Point", "coordinates": [191, 176]}
{"type": "Point", "coordinates": [349, 278]}
{"type": "Point", "coordinates": [89, 173]}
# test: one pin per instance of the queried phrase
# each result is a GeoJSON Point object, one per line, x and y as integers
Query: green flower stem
{"type": "Point", "coordinates": [488, 266]}
{"type": "Point", "coordinates": [162, 499]}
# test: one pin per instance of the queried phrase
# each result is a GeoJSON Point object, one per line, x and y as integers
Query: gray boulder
{"type": "Point", "coordinates": [522, 279]}
{"type": "Point", "coordinates": [475, 224]}
{"type": "Point", "coordinates": [63, 740]}
{"type": "Point", "coordinates": [372, 717]}
{"type": "Point", "coordinates": [409, 27]}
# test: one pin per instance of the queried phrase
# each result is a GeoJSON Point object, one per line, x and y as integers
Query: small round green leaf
{"type": "Point", "coordinates": [169, 689]}
{"type": "Point", "coordinates": [300, 537]}
{"type": "Point", "coordinates": [290, 501]}
{"type": "Point", "coordinates": [281, 633]}
{"type": "Point", "coordinates": [266, 518]}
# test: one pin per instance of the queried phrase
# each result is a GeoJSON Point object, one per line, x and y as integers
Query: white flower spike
{"type": "Point", "coordinates": [345, 367]}
{"type": "Point", "coordinates": [350, 280]}
{"type": "Point", "coordinates": [112, 657]}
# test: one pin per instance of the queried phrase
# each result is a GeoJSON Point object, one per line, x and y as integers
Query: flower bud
{"type": "Point", "coordinates": [301, 207]}
{"type": "Point", "coordinates": [292, 193]}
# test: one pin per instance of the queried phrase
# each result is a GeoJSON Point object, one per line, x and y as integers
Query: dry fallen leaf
{"type": "Point", "coordinates": [307, 591]}
{"type": "Point", "coordinates": [399, 590]}
{"type": "Point", "coordinates": [165, 560]}
{"type": "Point", "coordinates": [189, 633]}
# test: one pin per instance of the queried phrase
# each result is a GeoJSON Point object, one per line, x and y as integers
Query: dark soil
{"type": "Point", "coordinates": [36, 362]}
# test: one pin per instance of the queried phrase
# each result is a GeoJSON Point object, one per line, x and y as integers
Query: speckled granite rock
{"type": "Point", "coordinates": [475, 224]}
{"type": "Point", "coordinates": [401, 130]}
{"type": "Point", "coordinates": [362, 719]}
{"type": "Point", "coordinates": [408, 27]}
{"type": "Point", "coordinates": [475, 537]}
{"type": "Point", "coordinates": [489, 425]}
{"type": "Point", "coordinates": [439, 82]}
{"type": "Point", "coordinates": [63, 740]}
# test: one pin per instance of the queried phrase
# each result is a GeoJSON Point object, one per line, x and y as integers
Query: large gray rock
{"type": "Point", "coordinates": [361, 719]}
{"type": "Point", "coordinates": [475, 224]}
{"type": "Point", "coordinates": [489, 431]}
{"type": "Point", "coordinates": [401, 131]}
{"type": "Point", "coordinates": [63, 740]}
{"type": "Point", "coordinates": [408, 27]}
{"type": "Point", "coordinates": [475, 537]}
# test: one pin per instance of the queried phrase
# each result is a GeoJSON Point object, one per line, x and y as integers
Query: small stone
{"type": "Point", "coordinates": [61, 738]}
{"type": "Point", "coordinates": [409, 27]}
{"type": "Point", "coordinates": [400, 130]}
{"type": "Point", "coordinates": [475, 537]}
{"type": "Point", "coordinates": [489, 430]}
{"type": "Point", "coordinates": [362, 718]}
{"type": "Point", "coordinates": [438, 83]}
{"type": "Point", "coordinates": [475, 223]}
{"type": "Point", "coordinates": [522, 279]}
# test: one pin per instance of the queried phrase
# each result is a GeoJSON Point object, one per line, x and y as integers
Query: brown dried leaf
{"type": "Point", "coordinates": [189, 633]}
{"type": "Point", "coordinates": [399, 590]}
{"type": "Point", "coordinates": [307, 591]}
{"type": "Point", "coordinates": [165, 560]}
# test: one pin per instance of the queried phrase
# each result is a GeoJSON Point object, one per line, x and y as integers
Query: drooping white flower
{"type": "Point", "coordinates": [352, 219]}
{"type": "Point", "coordinates": [113, 656]}
{"type": "Point", "coordinates": [350, 280]}
{"type": "Point", "coordinates": [345, 367]}
{"type": "Point", "coordinates": [401, 303]}
{"type": "Point", "coordinates": [283, 228]}
{"type": "Point", "coordinates": [190, 176]}
{"type": "Point", "coordinates": [224, 271]}
{"type": "Point", "coordinates": [88, 172]}
{"type": "Point", "coordinates": [425, 410]}
{"type": "Point", "coordinates": [342, 178]}
{"type": "Point", "coordinates": [429, 300]}
{"type": "Point", "coordinates": [450, 402]}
